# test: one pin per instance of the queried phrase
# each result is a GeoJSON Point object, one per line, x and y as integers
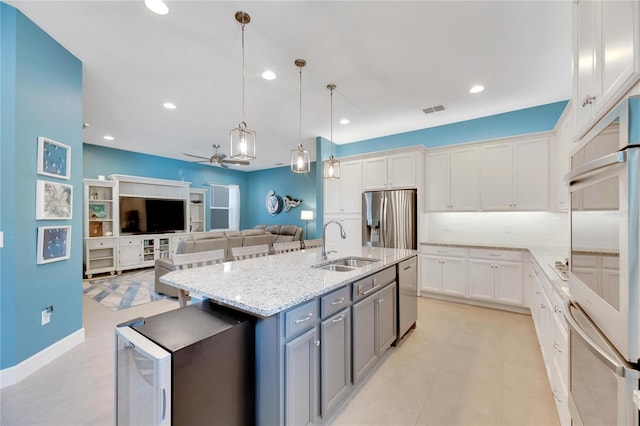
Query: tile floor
{"type": "Point", "coordinates": [463, 365]}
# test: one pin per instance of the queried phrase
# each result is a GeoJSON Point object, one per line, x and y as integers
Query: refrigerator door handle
{"type": "Point", "coordinates": [383, 220]}
{"type": "Point", "coordinates": [164, 404]}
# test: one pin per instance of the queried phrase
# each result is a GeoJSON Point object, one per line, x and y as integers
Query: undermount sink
{"type": "Point", "coordinates": [345, 264]}
{"type": "Point", "coordinates": [336, 268]}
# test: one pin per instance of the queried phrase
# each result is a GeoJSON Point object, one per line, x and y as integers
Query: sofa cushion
{"type": "Point", "coordinates": [246, 232]}
{"type": "Point", "coordinates": [274, 229]}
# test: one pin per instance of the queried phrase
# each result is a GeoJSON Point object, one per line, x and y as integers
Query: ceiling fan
{"type": "Point", "coordinates": [217, 158]}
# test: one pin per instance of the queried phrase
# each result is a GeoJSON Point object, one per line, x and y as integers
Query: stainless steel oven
{"type": "Point", "coordinates": [604, 388]}
{"type": "Point", "coordinates": [604, 275]}
{"type": "Point", "coordinates": [604, 271]}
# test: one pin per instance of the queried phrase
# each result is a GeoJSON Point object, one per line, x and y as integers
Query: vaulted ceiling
{"type": "Point", "coordinates": [389, 60]}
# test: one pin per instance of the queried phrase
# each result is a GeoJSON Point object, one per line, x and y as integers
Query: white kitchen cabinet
{"type": "Point", "coordinates": [564, 142]}
{"type": "Point", "coordinates": [496, 276]}
{"type": "Point", "coordinates": [444, 270]}
{"type": "Point", "coordinates": [606, 55]}
{"type": "Point", "coordinates": [344, 195]}
{"type": "Point", "coordinates": [391, 172]}
{"type": "Point", "coordinates": [553, 337]}
{"type": "Point", "coordinates": [452, 179]}
{"type": "Point", "coordinates": [515, 175]}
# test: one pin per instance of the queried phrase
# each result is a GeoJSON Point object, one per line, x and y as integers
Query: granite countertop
{"type": "Point", "coordinates": [265, 286]}
{"type": "Point", "coordinates": [544, 256]}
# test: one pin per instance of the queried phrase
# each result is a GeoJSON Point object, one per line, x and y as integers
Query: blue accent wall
{"type": "Point", "coordinates": [283, 182]}
{"type": "Point", "coordinates": [41, 86]}
{"type": "Point", "coordinates": [99, 160]}
{"type": "Point", "coordinates": [529, 120]}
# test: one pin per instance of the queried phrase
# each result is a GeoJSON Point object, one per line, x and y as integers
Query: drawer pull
{"type": "Point", "coordinates": [335, 320]}
{"type": "Point", "coordinates": [337, 301]}
{"type": "Point", "coordinates": [364, 293]}
{"type": "Point", "coordinates": [442, 251]}
{"type": "Point", "coordinates": [408, 267]}
{"type": "Point", "coordinates": [494, 255]}
{"type": "Point", "coordinates": [307, 318]}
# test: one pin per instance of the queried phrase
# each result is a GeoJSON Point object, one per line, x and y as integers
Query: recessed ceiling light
{"type": "Point", "coordinates": [476, 89]}
{"type": "Point", "coordinates": [108, 137]}
{"type": "Point", "coordinates": [269, 75]}
{"type": "Point", "coordinates": [157, 6]}
{"type": "Point", "coordinates": [169, 105]}
{"type": "Point", "coordinates": [345, 121]}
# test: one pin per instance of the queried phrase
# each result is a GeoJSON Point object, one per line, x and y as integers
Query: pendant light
{"type": "Point", "coordinates": [300, 158]}
{"type": "Point", "coordinates": [243, 140]}
{"type": "Point", "coordinates": [331, 167]}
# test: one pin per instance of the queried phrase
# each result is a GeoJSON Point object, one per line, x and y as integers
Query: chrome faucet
{"type": "Point", "coordinates": [343, 235]}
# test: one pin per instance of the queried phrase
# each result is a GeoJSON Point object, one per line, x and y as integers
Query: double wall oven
{"type": "Point", "coordinates": [604, 275]}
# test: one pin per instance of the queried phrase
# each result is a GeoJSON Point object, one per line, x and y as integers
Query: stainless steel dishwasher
{"type": "Point", "coordinates": [407, 295]}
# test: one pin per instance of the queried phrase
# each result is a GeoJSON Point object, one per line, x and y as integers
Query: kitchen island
{"type": "Point", "coordinates": [319, 332]}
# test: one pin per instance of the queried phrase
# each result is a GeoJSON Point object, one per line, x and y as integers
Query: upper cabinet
{"type": "Point", "coordinates": [452, 180]}
{"type": "Point", "coordinates": [515, 175]}
{"type": "Point", "coordinates": [607, 61]}
{"type": "Point", "coordinates": [344, 195]}
{"type": "Point", "coordinates": [390, 172]}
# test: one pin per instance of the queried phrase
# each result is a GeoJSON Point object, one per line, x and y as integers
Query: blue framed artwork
{"type": "Point", "coordinates": [54, 243]}
{"type": "Point", "coordinates": [54, 158]}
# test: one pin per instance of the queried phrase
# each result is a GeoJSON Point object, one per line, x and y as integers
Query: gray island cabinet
{"type": "Point", "coordinates": [319, 333]}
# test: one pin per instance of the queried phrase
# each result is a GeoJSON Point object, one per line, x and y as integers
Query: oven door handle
{"type": "Point", "coordinates": [614, 364]}
{"type": "Point", "coordinates": [587, 169]}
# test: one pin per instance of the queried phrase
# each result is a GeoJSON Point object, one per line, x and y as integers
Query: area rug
{"type": "Point", "coordinates": [122, 291]}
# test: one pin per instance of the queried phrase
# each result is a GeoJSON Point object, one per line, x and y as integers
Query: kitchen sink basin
{"type": "Point", "coordinates": [333, 267]}
{"type": "Point", "coordinates": [345, 264]}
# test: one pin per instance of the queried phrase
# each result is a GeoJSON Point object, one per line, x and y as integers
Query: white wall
{"type": "Point", "coordinates": [511, 228]}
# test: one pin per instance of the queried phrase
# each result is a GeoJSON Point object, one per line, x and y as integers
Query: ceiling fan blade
{"type": "Point", "coordinates": [237, 162]}
{"type": "Point", "coordinates": [221, 156]}
{"type": "Point", "coordinates": [195, 156]}
{"type": "Point", "coordinates": [223, 165]}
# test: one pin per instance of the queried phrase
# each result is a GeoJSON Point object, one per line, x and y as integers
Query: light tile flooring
{"type": "Point", "coordinates": [463, 365]}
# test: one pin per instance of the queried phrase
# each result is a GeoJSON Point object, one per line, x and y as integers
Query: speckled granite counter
{"type": "Point", "coordinates": [268, 285]}
{"type": "Point", "coordinates": [544, 256]}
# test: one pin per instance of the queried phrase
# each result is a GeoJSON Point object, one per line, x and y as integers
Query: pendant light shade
{"type": "Point", "coordinates": [331, 167]}
{"type": "Point", "coordinates": [243, 140]}
{"type": "Point", "coordinates": [300, 158]}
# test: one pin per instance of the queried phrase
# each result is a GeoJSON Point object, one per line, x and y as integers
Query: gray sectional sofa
{"type": "Point", "coordinates": [206, 241]}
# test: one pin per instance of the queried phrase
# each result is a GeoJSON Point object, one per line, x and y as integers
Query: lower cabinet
{"type": "Point", "coordinates": [335, 361]}
{"type": "Point", "coordinates": [99, 256]}
{"type": "Point", "coordinates": [374, 329]}
{"type": "Point", "coordinates": [553, 337]}
{"type": "Point", "coordinates": [496, 276]}
{"type": "Point", "coordinates": [444, 271]}
{"type": "Point", "coordinates": [301, 379]}
{"type": "Point", "coordinates": [309, 358]}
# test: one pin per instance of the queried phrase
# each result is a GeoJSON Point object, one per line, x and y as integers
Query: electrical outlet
{"type": "Point", "coordinates": [46, 317]}
{"type": "Point", "coordinates": [1, 239]}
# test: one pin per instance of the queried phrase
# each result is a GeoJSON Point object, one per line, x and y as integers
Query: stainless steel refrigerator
{"type": "Point", "coordinates": [389, 220]}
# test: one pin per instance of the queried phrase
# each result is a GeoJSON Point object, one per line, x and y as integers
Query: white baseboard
{"type": "Point", "coordinates": [12, 375]}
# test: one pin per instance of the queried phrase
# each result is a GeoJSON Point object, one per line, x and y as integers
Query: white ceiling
{"type": "Point", "coordinates": [389, 60]}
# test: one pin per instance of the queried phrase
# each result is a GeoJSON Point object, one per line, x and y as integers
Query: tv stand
{"type": "Point", "coordinates": [107, 248]}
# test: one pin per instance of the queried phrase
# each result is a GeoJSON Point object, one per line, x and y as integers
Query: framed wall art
{"type": "Point", "coordinates": [54, 158]}
{"type": "Point", "coordinates": [54, 243]}
{"type": "Point", "coordinates": [53, 200]}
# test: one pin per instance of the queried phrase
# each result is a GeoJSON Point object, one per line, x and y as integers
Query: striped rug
{"type": "Point", "coordinates": [122, 291]}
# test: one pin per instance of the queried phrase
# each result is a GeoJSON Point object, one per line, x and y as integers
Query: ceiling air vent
{"type": "Point", "coordinates": [436, 108]}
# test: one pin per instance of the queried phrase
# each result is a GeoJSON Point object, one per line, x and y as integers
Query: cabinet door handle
{"type": "Point", "coordinates": [307, 318]}
{"type": "Point", "coordinates": [494, 255]}
{"type": "Point", "coordinates": [335, 320]}
{"type": "Point", "coordinates": [380, 300]}
{"type": "Point", "coordinates": [316, 342]}
{"type": "Point", "coordinates": [408, 267]}
{"type": "Point", "coordinates": [337, 301]}
{"type": "Point", "coordinates": [556, 309]}
{"type": "Point", "coordinates": [441, 251]}
{"type": "Point", "coordinates": [556, 346]}
{"type": "Point", "coordinates": [364, 293]}
{"type": "Point", "coordinates": [588, 100]}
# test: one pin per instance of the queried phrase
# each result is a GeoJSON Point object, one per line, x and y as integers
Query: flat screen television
{"type": "Point", "coordinates": [140, 215]}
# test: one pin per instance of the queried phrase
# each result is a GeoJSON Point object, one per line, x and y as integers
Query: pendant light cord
{"type": "Point", "coordinates": [243, 73]}
{"type": "Point", "coordinates": [300, 135]}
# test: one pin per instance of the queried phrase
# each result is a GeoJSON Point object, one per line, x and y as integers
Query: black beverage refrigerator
{"type": "Point", "coordinates": [190, 366]}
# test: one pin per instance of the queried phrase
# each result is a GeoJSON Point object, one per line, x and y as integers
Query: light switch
{"type": "Point", "coordinates": [1, 239]}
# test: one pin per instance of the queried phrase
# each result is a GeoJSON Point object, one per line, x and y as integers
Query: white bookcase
{"type": "Point", "coordinates": [197, 209]}
{"type": "Point", "coordinates": [100, 226]}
